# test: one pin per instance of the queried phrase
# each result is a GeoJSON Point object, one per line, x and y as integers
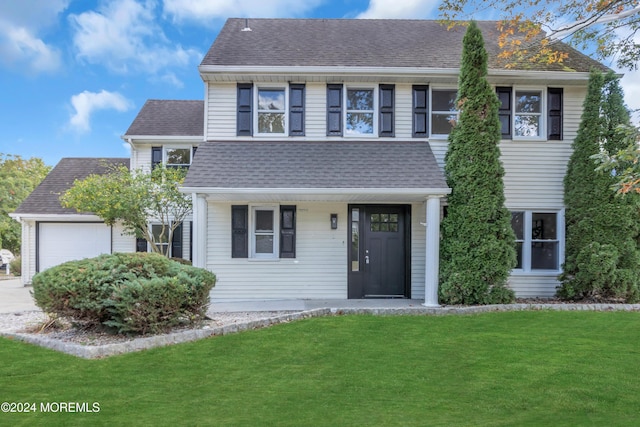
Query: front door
{"type": "Point", "coordinates": [378, 259]}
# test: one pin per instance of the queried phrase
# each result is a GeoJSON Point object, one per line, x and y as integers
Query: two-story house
{"type": "Point", "coordinates": [320, 152]}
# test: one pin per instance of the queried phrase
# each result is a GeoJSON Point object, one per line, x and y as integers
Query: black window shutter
{"type": "Point", "coordinates": [387, 103]}
{"type": "Point", "coordinates": [245, 115]}
{"type": "Point", "coordinates": [504, 112]}
{"type": "Point", "coordinates": [420, 107]}
{"type": "Point", "coordinates": [296, 109]}
{"type": "Point", "coordinates": [156, 156]}
{"type": "Point", "coordinates": [239, 231]}
{"type": "Point", "coordinates": [287, 231]}
{"type": "Point", "coordinates": [554, 113]}
{"type": "Point", "coordinates": [334, 110]}
{"type": "Point", "coordinates": [141, 245]}
{"type": "Point", "coordinates": [176, 242]}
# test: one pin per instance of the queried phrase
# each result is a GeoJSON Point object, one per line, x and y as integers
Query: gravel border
{"type": "Point", "coordinates": [238, 322]}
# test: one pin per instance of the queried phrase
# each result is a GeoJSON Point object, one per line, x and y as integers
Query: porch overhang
{"type": "Point", "coordinates": [348, 195]}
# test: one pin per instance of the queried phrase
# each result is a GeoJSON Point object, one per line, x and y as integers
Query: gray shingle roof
{"type": "Point", "coordinates": [358, 43]}
{"type": "Point", "coordinates": [325, 164]}
{"type": "Point", "coordinates": [45, 199]}
{"type": "Point", "coordinates": [169, 118]}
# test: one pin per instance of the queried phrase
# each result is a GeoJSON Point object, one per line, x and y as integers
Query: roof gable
{"type": "Point", "coordinates": [359, 43]}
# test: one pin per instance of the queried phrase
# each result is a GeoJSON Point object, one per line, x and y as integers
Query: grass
{"type": "Point", "coordinates": [520, 368]}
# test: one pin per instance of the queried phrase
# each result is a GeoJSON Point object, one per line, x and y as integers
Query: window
{"type": "Point", "coordinates": [527, 117]}
{"type": "Point", "coordinates": [270, 111]}
{"type": "Point", "coordinates": [538, 242]}
{"type": "Point", "coordinates": [360, 111]}
{"type": "Point", "coordinates": [176, 157]}
{"type": "Point", "coordinates": [530, 113]}
{"type": "Point", "coordinates": [161, 239]}
{"type": "Point", "coordinates": [444, 112]}
{"type": "Point", "coordinates": [263, 232]}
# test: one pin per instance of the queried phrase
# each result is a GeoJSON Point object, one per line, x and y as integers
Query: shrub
{"type": "Point", "coordinates": [15, 266]}
{"type": "Point", "coordinates": [125, 293]}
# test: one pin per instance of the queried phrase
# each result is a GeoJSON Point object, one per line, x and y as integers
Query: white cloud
{"type": "Point", "coordinates": [397, 9]}
{"type": "Point", "coordinates": [86, 103]}
{"type": "Point", "coordinates": [124, 36]}
{"type": "Point", "coordinates": [206, 11]}
{"type": "Point", "coordinates": [20, 25]}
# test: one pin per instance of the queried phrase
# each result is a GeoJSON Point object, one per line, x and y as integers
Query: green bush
{"type": "Point", "coordinates": [15, 266]}
{"type": "Point", "coordinates": [134, 293]}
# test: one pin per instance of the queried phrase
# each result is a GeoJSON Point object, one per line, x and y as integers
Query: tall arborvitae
{"type": "Point", "coordinates": [602, 256]}
{"type": "Point", "coordinates": [478, 244]}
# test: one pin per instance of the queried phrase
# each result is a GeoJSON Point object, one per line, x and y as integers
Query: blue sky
{"type": "Point", "coordinates": [74, 73]}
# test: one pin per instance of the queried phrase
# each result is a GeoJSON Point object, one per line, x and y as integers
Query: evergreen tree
{"type": "Point", "coordinates": [478, 243]}
{"type": "Point", "coordinates": [602, 256]}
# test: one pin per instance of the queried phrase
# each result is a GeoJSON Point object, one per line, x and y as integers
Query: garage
{"type": "Point", "coordinates": [59, 242]}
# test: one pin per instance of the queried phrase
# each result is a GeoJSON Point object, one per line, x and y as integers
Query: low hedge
{"type": "Point", "coordinates": [133, 293]}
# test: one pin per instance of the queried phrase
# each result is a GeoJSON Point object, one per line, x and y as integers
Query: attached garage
{"type": "Point", "coordinates": [59, 242]}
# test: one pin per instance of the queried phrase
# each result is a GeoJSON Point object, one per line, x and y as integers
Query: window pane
{"type": "Point", "coordinates": [264, 244]}
{"type": "Point", "coordinates": [444, 100]}
{"type": "Point", "coordinates": [271, 99]}
{"type": "Point", "coordinates": [360, 99]}
{"type": "Point", "coordinates": [543, 226]}
{"type": "Point", "coordinates": [158, 235]}
{"type": "Point", "coordinates": [441, 124]}
{"type": "Point", "coordinates": [264, 220]}
{"type": "Point", "coordinates": [178, 156]}
{"type": "Point", "coordinates": [355, 240]}
{"type": "Point", "coordinates": [519, 254]}
{"type": "Point", "coordinates": [527, 126]}
{"type": "Point", "coordinates": [287, 219]}
{"type": "Point", "coordinates": [360, 123]}
{"type": "Point", "coordinates": [528, 102]}
{"type": "Point", "coordinates": [271, 122]}
{"type": "Point", "coordinates": [544, 256]}
{"type": "Point", "coordinates": [517, 223]}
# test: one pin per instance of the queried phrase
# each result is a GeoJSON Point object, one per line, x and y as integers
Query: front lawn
{"type": "Point", "coordinates": [519, 368]}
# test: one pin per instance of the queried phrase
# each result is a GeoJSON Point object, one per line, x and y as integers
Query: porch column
{"type": "Point", "coordinates": [432, 253]}
{"type": "Point", "coordinates": [199, 230]}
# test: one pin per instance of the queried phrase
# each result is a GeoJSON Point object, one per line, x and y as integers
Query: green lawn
{"type": "Point", "coordinates": [520, 368]}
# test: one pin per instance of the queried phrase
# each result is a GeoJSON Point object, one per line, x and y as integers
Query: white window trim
{"type": "Point", "coordinates": [256, 92]}
{"type": "Point", "coordinates": [276, 232]}
{"type": "Point", "coordinates": [176, 147]}
{"type": "Point", "coordinates": [543, 112]}
{"type": "Point", "coordinates": [376, 110]}
{"type": "Point", "coordinates": [432, 111]}
{"type": "Point", "coordinates": [527, 240]}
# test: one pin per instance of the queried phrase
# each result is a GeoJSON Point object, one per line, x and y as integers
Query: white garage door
{"type": "Point", "coordinates": [62, 242]}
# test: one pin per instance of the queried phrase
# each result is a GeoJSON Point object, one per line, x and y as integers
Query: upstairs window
{"type": "Point", "coordinates": [527, 116]}
{"type": "Point", "coordinates": [530, 113]}
{"type": "Point", "coordinates": [172, 156]}
{"type": "Point", "coordinates": [444, 112]}
{"type": "Point", "coordinates": [360, 111]}
{"type": "Point", "coordinates": [271, 110]}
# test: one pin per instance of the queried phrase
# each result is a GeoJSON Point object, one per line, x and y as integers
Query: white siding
{"type": "Point", "coordinates": [318, 271]}
{"type": "Point", "coordinates": [221, 117]}
{"type": "Point", "coordinates": [28, 251]}
{"type": "Point", "coordinates": [121, 242]}
{"type": "Point", "coordinates": [403, 114]}
{"type": "Point", "coordinates": [527, 286]}
{"type": "Point", "coordinates": [316, 111]}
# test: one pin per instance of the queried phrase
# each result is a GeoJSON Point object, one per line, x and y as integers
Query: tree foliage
{"type": "Point", "coordinates": [602, 256]}
{"type": "Point", "coordinates": [609, 25]}
{"type": "Point", "coordinates": [136, 199]}
{"type": "Point", "coordinates": [478, 243]}
{"type": "Point", "coordinates": [624, 163]}
{"type": "Point", "coordinates": [18, 178]}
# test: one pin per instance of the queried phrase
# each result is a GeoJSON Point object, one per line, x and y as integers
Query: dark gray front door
{"type": "Point", "coordinates": [378, 259]}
